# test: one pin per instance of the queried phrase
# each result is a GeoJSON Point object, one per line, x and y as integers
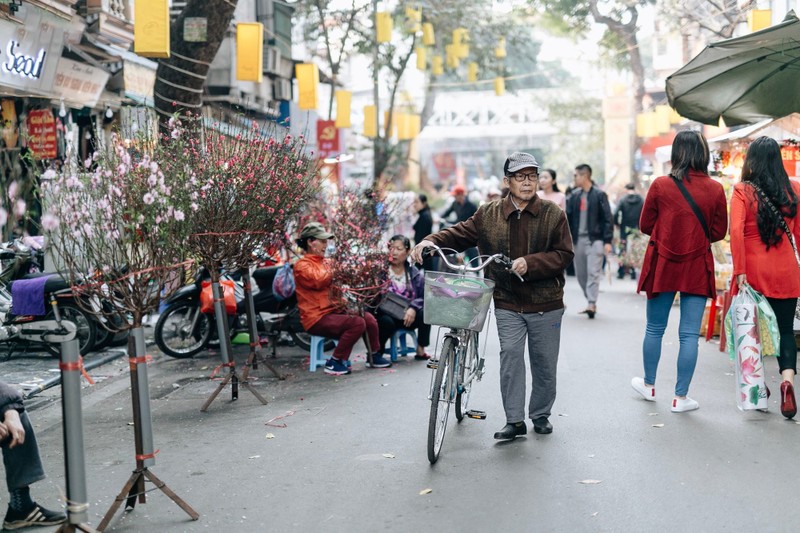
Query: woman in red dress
{"type": "Point", "coordinates": [763, 207]}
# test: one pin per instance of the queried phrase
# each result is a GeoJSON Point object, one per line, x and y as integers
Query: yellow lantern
{"type": "Point", "coordinates": [460, 36]}
{"type": "Point", "coordinates": [472, 72]}
{"type": "Point", "coordinates": [151, 30]}
{"type": "Point", "coordinates": [307, 75]}
{"type": "Point", "coordinates": [662, 113]}
{"type": "Point", "coordinates": [250, 51]}
{"type": "Point", "coordinates": [758, 19]}
{"type": "Point", "coordinates": [500, 50]}
{"type": "Point", "coordinates": [499, 86]}
{"type": "Point", "coordinates": [437, 65]}
{"type": "Point", "coordinates": [370, 125]}
{"type": "Point", "coordinates": [416, 125]}
{"type": "Point", "coordinates": [403, 131]}
{"type": "Point", "coordinates": [343, 99]}
{"type": "Point", "coordinates": [413, 19]}
{"type": "Point", "coordinates": [451, 55]}
{"type": "Point", "coordinates": [462, 51]}
{"type": "Point", "coordinates": [422, 60]}
{"type": "Point", "coordinates": [383, 26]}
{"type": "Point", "coordinates": [428, 36]}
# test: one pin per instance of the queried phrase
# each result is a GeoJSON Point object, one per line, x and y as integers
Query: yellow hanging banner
{"type": "Point", "coordinates": [472, 72]}
{"type": "Point", "coordinates": [422, 59]}
{"type": "Point", "coordinates": [460, 36]}
{"type": "Point", "coordinates": [343, 100]}
{"type": "Point", "coordinates": [500, 50]}
{"type": "Point", "coordinates": [428, 36]}
{"type": "Point", "coordinates": [151, 29]}
{"type": "Point", "coordinates": [499, 86]}
{"type": "Point", "coordinates": [403, 122]}
{"type": "Point", "coordinates": [370, 125]}
{"type": "Point", "coordinates": [674, 117]}
{"type": "Point", "coordinates": [383, 26]}
{"type": "Point", "coordinates": [758, 19]}
{"type": "Point", "coordinates": [462, 51]}
{"type": "Point", "coordinates": [413, 19]}
{"type": "Point", "coordinates": [250, 51]}
{"type": "Point", "coordinates": [452, 56]}
{"type": "Point", "coordinates": [437, 65]}
{"type": "Point", "coordinates": [646, 124]}
{"type": "Point", "coordinates": [663, 124]}
{"type": "Point", "coordinates": [307, 75]}
{"type": "Point", "coordinates": [416, 126]}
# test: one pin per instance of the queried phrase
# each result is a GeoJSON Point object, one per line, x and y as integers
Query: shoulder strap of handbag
{"type": "Point", "coordinates": [693, 205]}
{"type": "Point", "coordinates": [784, 226]}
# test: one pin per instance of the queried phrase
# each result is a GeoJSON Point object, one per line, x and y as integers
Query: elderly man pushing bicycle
{"type": "Point", "coordinates": [534, 233]}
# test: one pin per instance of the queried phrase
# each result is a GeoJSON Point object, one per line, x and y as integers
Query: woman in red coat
{"type": "Point", "coordinates": [762, 253]}
{"type": "Point", "coordinates": [678, 259]}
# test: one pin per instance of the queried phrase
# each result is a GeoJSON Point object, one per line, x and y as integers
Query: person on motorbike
{"type": "Point", "coordinates": [322, 316]}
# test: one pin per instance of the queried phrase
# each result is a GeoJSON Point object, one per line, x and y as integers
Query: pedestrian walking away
{"type": "Point", "coordinates": [463, 209]}
{"type": "Point", "coordinates": [590, 223]}
{"type": "Point", "coordinates": [764, 236]}
{"type": "Point", "coordinates": [626, 218]}
{"type": "Point", "coordinates": [323, 317]}
{"type": "Point", "coordinates": [683, 213]}
{"type": "Point", "coordinates": [423, 225]}
{"type": "Point", "coordinates": [22, 463]}
{"type": "Point", "coordinates": [534, 233]}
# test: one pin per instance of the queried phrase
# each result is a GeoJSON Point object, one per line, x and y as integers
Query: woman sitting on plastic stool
{"type": "Point", "coordinates": [407, 281]}
{"type": "Point", "coordinates": [319, 314]}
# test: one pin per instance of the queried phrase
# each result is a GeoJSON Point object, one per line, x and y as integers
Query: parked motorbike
{"type": "Point", "coordinates": [183, 331]}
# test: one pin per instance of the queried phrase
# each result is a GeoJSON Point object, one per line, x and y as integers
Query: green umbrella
{"type": "Point", "coordinates": [742, 80]}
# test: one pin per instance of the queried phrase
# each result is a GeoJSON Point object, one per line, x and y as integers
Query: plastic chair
{"type": "Point", "coordinates": [398, 346]}
{"type": "Point", "coordinates": [316, 356]}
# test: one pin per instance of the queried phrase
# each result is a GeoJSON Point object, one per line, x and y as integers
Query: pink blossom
{"type": "Point", "coordinates": [49, 174]}
{"type": "Point", "coordinates": [178, 214]}
{"type": "Point", "coordinates": [148, 198]}
{"type": "Point", "coordinates": [3, 217]}
{"type": "Point", "coordinates": [19, 208]}
{"type": "Point", "coordinates": [12, 190]}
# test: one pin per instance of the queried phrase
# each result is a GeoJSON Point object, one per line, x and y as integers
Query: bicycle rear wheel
{"type": "Point", "coordinates": [467, 370]}
{"type": "Point", "coordinates": [441, 398]}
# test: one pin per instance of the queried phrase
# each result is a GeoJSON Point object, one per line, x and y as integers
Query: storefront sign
{"type": "Point", "coordinates": [21, 64]}
{"type": "Point", "coordinates": [79, 83]}
{"type": "Point", "coordinates": [139, 80]}
{"type": "Point", "coordinates": [791, 160]}
{"type": "Point", "coordinates": [42, 133]}
{"type": "Point", "coordinates": [327, 139]}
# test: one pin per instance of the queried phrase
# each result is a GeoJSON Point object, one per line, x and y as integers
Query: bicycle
{"type": "Point", "coordinates": [460, 303]}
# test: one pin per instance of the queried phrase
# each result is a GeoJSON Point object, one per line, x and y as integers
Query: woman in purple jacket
{"type": "Point", "coordinates": [409, 282]}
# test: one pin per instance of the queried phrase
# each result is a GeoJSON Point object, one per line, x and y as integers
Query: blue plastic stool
{"type": "Point", "coordinates": [399, 338]}
{"type": "Point", "coordinates": [316, 356]}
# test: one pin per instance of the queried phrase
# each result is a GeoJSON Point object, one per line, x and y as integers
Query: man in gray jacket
{"type": "Point", "coordinates": [534, 233]}
{"type": "Point", "coordinates": [22, 463]}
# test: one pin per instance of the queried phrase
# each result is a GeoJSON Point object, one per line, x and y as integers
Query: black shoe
{"type": "Point", "coordinates": [38, 516]}
{"type": "Point", "coordinates": [511, 431]}
{"type": "Point", "coordinates": [542, 426]}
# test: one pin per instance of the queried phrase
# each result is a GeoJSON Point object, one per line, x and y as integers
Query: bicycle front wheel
{"type": "Point", "coordinates": [441, 398]}
{"type": "Point", "coordinates": [467, 371]}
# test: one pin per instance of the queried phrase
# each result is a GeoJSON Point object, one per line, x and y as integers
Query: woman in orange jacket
{"type": "Point", "coordinates": [763, 208]}
{"type": "Point", "coordinates": [324, 317]}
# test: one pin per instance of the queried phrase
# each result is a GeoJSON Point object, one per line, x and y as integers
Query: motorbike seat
{"type": "Point", "coordinates": [54, 282]}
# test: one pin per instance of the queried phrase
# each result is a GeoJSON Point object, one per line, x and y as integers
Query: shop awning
{"type": "Point", "coordinates": [780, 129]}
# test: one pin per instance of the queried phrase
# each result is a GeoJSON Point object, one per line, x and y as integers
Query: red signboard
{"type": "Point", "coordinates": [327, 139]}
{"type": "Point", "coordinates": [42, 134]}
{"type": "Point", "coordinates": [791, 159]}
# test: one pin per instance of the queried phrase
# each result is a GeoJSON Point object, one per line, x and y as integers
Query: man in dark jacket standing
{"type": "Point", "coordinates": [533, 232]}
{"type": "Point", "coordinates": [22, 463]}
{"type": "Point", "coordinates": [423, 225]}
{"type": "Point", "coordinates": [590, 223]}
{"type": "Point", "coordinates": [626, 217]}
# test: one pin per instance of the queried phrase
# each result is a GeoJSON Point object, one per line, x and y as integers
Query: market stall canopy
{"type": "Point", "coordinates": [742, 80]}
{"type": "Point", "coordinates": [781, 129]}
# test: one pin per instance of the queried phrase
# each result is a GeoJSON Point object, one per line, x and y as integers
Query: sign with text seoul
{"type": "Point", "coordinates": [21, 64]}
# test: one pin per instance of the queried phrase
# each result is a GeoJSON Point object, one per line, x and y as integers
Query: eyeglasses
{"type": "Point", "coordinates": [532, 176]}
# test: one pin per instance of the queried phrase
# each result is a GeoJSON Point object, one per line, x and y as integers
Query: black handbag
{"type": "Point", "coordinates": [394, 305]}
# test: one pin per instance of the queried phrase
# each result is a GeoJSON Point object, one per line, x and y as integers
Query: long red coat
{"type": "Point", "coordinates": [772, 272]}
{"type": "Point", "coordinates": [678, 257]}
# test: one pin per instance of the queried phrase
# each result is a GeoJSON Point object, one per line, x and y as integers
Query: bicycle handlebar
{"type": "Point", "coordinates": [497, 258]}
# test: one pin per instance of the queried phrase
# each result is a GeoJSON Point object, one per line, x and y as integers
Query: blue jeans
{"type": "Point", "coordinates": [658, 308]}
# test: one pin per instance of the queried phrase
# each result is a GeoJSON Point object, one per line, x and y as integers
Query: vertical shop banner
{"type": "Point", "coordinates": [791, 160]}
{"type": "Point", "coordinates": [42, 133]}
{"type": "Point", "coordinates": [328, 145]}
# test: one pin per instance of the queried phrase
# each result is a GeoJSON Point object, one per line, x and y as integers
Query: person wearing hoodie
{"type": "Point", "coordinates": [626, 218]}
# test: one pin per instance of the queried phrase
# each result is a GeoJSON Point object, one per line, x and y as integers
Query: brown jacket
{"type": "Point", "coordinates": [539, 233]}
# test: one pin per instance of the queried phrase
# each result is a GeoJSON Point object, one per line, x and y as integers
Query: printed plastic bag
{"type": "Point", "coordinates": [228, 295]}
{"type": "Point", "coordinates": [744, 345]}
{"type": "Point", "coordinates": [283, 284]}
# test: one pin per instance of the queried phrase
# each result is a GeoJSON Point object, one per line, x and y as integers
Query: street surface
{"type": "Point", "coordinates": [348, 453]}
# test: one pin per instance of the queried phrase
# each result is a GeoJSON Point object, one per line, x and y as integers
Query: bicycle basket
{"type": "Point", "coordinates": [456, 301]}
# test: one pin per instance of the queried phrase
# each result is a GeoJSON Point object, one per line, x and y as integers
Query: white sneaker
{"type": "Point", "coordinates": [648, 393]}
{"type": "Point", "coordinates": [681, 406]}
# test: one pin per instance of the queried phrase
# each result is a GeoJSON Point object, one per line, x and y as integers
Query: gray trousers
{"type": "Point", "coordinates": [22, 463]}
{"type": "Point", "coordinates": [543, 333]}
{"type": "Point", "coordinates": [589, 266]}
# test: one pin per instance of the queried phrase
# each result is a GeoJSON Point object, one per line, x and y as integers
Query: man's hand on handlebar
{"type": "Point", "coordinates": [519, 266]}
{"type": "Point", "coordinates": [416, 253]}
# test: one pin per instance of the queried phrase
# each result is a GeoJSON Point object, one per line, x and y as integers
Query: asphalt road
{"type": "Point", "coordinates": [348, 453]}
